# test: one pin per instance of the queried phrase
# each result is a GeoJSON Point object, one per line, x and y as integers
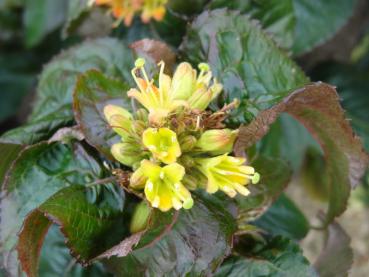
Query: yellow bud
{"type": "Point", "coordinates": [126, 153]}
{"type": "Point", "coordinates": [138, 179]}
{"type": "Point", "coordinates": [187, 143]}
{"type": "Point", "coordinates": [217, 141]}
{"type": "Point", "coordinates": [140, 218]}
{"type": "Point", "coordinates": [183, 82]}
{"type": "Point", "coordinates": [119, 119]}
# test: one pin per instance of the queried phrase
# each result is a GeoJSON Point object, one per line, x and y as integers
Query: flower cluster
{"type": "Point", "coordinates": [125, 10]}
{"type": "Point", "coordinates": [173, 144]}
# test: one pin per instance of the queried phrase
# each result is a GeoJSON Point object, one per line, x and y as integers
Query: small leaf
{"type": "Point", "coordinates": [337, 256]}
{"type": "Point", "coordinates": [284, 218]}
{"type": "Point", "coordinates": [244, 59]}
{"type": "Point", "coordinates": [298, 25]}
{"type": "Point", "coordinates": [195, 243]}
{"type": "Point", "coordinates": [279, 257]}
{"type": "Point", "coordinates": [88, 228]}
{"type": "Point", "coordinates": [93, 92]}
{"type": "Point", "coordinates": [317, 107]}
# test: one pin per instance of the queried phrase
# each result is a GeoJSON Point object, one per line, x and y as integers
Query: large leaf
{"type": "Point", "coordinates": [284, 218]}
{"type": "Point", "coordinates": [299, 25]}
{"type": "Point", "coordinates": [89, 227]}
{"type": "Point", "coordinates": [39, 172]}
{"type": "Point", "coordinates": [193, 244]}
{"type": "Point", "coordinates": [279, 257]}
{"type": "Point", "coordinates": [275, 175]}
{"type": "Point", "coordinates": [317, 107]}
{"type": "Point", "coordinates": [93, 92]}
{"type": "Point", "coordinates": [55, 259]}
{"type": "Point", "coordinates": [53, 106]}
{"type": "Point", "coordinates": [41, 17]}
{"type": "Point", "coordinates": [244, 59]}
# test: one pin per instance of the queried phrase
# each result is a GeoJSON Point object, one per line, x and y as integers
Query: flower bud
{"type": "Point", "coordinates": [119, 119]}
{"type": "Point", "coordinates": [142, 115]}
{"type": "Point", "coordinates": [140, 218]}
{"type": "Point", "coordinates": [187, 143]}
{"type": "Point", "coordinates": [202, 97]}
{"type": "Point", "coordinates": [217, 141]}
{"type": "Point", "coordinates": [138, 179]}
{"type": "Point", "coordinates": [126, 153]}
{"type": "Point", "coordinates": [184, 80]}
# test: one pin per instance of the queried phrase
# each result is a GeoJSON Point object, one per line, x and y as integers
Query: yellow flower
{"type": "Point", "coordinates": [162, 143]}
{"type": "Point", "coordinates": [153, 9]}
{"type": "Point", "coordinates": [157, 100]}
{"type": "Point", "coordinates": [227, 174]}
{"type": "Point", "coordinates": [163, 187]}
{"type": "Point", "coordinates": [217, 141]}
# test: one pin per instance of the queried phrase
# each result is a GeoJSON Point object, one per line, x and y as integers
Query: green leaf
{"type": "Point", "coordinates": [53, 106]}
{"type": "Point", "coordinates": [337, 256]}
{"type": "Point", "coordinates": [55, 259]}
{"type": "Point", "coordinates": [9, 153]}
{"type": "Point", "coordinates": [278, 257]}
{"type": "Point", "coordinates": [275, 175]}
{"type": "Point", "coordinates": [42, 17]}
{"type": "Point", "coordinates": [39, 172]}
{"type": "Point", "coordinates": [244, 59]}
{"type": "Point", "coordinates": [317, 107]}
{"type": "Point", "coordinates": [89, 228]}
{"type": "Point", "coordinates": [93, 92]}
{"type": "Point", "coordinates": [299, 25]}
{"type": "Point", "coordinates": [284, 218]}
{"type": "Point", "coordinates": [76, 8]}
{"type": "Point", "coordinates": [193, 244]}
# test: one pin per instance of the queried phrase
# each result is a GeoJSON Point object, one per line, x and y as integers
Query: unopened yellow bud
{"type": "Point", "coordinates": [184, 81]}
{"type": "Point", "coordinates": [217, 141]}
{"type": "Point", "coordinates": [187, 143]}
{"type": "Point", "coordinates": [140, 218]}
{"type": "Point", "coordinates": [119, 119]}
{"type": "Point", "coordinates": [126, 153]}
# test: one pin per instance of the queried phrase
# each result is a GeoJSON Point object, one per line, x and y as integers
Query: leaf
{"type": "Point", "coordinates": [299, 25]}
{"type": "Point", "coordinates": [279, 257]}
{"type": "Point", "coordinates": [88, 228]}
{"type": "Point", "coordinates": [76, 8]}
{"type": "Point", "coordinates": [9, 152]}
{"type": "Point", "coordinates": [284, 218]}
{"type": "Point", "coordinates": [193, 244]}
{"type": "Point", "coordinates": [38, 172]}
{"type": "Point", "coordinates": [317, 107]}
{"type": "Point", "coordinates": [53, 106]}
{"type": "Point", "coordinates": [93, 92]}
{"type": "Point", "coordinates": [56, 260]}
{"type": "Point", "coordinates": [275, 175]}
{"type": "Point", "coordinates": [337, 256]}
{"type": "Point", "coordinates": [42, 17]}
{"type": "Point", "coordinates": [244, 59]}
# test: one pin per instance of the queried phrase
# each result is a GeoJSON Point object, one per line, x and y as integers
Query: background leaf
{"type": "Point", "coordinates": [53, 106]}
{"type": "Point", "coordinates": [284, 218]}
{"type": "Point", "coordinates": [278, 257]}
{"type": "Point", "coordinates": [299, 25]}
{"type": "Point", "coordinates": [244, 59]}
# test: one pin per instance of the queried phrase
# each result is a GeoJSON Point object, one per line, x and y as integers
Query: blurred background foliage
{"type": "Point", "coordinates": [333, 49]}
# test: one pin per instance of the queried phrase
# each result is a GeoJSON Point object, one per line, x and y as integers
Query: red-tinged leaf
{"type": "Point", "coordinates": [9, 153]}
{"type": "Point", "coordinates": [90, 228]}
{"type": "Point", "coordinates": [30, 242]}
{"type": "Point", "coordinates": [317, 107]}
{"type": "Point", "coordinates": [337, 256]}
{"type": "Point", "coordinates": [92, 93]}
{"type": "Point", "coordinates": [154, 50]}
{"type": "Point", "coordinates": [189, 242]}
